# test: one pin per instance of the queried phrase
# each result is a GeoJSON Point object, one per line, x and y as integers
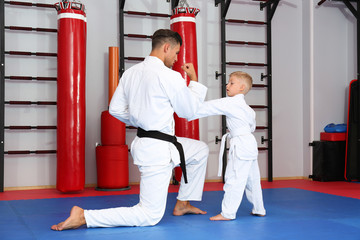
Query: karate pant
{"type": "Point", "coordinates": [240, 176]}
{"type": "Point", "coordinates": [154, 184]}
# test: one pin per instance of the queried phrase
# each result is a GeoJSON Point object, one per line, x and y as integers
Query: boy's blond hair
{"type": "Point", "coordinates": [245, 77]}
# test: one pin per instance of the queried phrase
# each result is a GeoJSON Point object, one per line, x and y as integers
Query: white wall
{"type": "Point", "coordinates": [333, 58]}
{"type": "Point", "coordinates": [287, 89]}
{"type": "Point", "coordinates": [334, 62]}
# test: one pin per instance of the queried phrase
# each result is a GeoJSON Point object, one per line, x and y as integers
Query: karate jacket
{"type": "Point", "coordinates": [240, 121]}
{"type": "Point", "coordinates": [147, 96]}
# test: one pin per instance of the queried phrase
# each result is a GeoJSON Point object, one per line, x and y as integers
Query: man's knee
{"type": "Point", "coordinates": [154, 218]}
{"type": "Point", "coordinates": [203, 149]}
{"type": "Point", "coordinates": [150, 214]}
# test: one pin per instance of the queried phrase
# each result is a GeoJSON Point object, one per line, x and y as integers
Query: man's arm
{"type": "Point", "coordinates": [185, 100]}
{"type": "Point", "coordinates": [190, 71]}
{"type": "Point", "coordinates": [119, 107]}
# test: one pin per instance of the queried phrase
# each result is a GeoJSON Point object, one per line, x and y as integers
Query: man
{"type": "Point", "coordinates": [147, 96]}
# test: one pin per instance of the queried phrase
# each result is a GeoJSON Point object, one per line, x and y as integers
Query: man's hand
{"type": "Point", "coordinates": [190, 70]}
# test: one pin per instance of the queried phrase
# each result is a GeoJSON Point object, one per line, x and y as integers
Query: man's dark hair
{"type": "Point", "coordinates": [162, 36]}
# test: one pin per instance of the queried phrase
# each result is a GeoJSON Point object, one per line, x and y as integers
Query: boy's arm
{"type": "Point", "coordinates": [219, 106]}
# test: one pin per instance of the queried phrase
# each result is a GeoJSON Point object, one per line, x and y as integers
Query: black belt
{"type": "Point", "coordinates": [168, 138]}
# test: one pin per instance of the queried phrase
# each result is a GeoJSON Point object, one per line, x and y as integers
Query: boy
{"type": "Point", "coordinates": [242, 170]}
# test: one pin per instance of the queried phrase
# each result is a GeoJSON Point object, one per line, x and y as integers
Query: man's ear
{"type": "Point", "coordinates": [166, 47]}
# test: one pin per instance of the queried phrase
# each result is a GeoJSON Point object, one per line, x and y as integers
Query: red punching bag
{"type": "Point", "coordinates": [109, 160]}
{"type": "Point", "coordinates": [183, 22]}
{"type": "Point", "coordinates": [112, 130]}
{"type": "Point", "coordinates": [71, 62]}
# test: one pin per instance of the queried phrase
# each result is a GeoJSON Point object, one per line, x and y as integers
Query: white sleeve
{"type": "Point", "coordinates": [187, 99]}
{"type": "Point", "coordinates": [213, 107]}
{"type": "Point", "coordinates": [119, 107]}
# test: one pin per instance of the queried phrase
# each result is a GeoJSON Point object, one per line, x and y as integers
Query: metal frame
{"type": "Point", "coordinates": [122, 41]}
{"type": "Point", "coordinates": [122, 34]}
{"type": "Point", "coordinates": [270, 11]}
{"type": "Point", "coordinates": [224, 8]}
{"type": "Point", "coordinates": [3, 77]}
{"type": "Point", "coordinates": [2, 92]}
{"type": "Point", "coordinates": [270, 6]}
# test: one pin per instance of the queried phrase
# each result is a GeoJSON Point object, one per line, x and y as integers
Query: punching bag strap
{"type": "Point", "coordinates": [168, 138]}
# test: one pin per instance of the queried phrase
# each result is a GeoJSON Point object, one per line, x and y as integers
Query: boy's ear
{"type": "Point", "coordinates": [243, 87]}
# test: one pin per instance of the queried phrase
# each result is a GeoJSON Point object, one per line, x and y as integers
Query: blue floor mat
{"type": "Point", "coordinates": [291, 214]}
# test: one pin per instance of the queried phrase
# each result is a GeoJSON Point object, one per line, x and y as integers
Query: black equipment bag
{"type": "Point", "coordinates": [352, 160]}
{"type": "Point", "coordinates": [328, 160]}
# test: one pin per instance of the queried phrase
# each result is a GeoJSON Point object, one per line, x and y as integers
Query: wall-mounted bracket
{"type": "Point", "coordinates": [217, 74]}
{"type": "Point", "coordinates": [217, 139]}
{"type": "Point", "coordinates": [263, 76]}
{"type": "Point", "coordinates": [272, 8]}
{"type": "Point", "coordinates": [226, 6]}
{"type": "Point", "coordinates": [263, 139]}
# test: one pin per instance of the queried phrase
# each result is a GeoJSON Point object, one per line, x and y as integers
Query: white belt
{"type": "Point", "coordinates": [222, 146]}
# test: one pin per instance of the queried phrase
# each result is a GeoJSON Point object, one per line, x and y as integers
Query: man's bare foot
{"type": "Point", "coordinates": [219, 217]}
{"type": "Point", "coordinates": [75, 220]}
{"type": "Point", "coordinates": [184, 207]}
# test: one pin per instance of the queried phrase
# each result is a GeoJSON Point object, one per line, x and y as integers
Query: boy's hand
{"type": "Point", "coordinates": [190, 70]}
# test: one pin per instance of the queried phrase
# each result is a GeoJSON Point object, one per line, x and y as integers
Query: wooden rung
{"type": "Point", "coordinates": [29, 78]}
{"type": "Point", "coordinates": [246, 43]}
{"type": "Point", "coordinates": [147, 14]}
{"type": "Point", "coordinates": [136, 13]}
{"type": "Point", "coordinates": [258, 106]}
{"type": "Point", "coordinates": [256, 64]}
{"type": "Point", "coordinates": [138, 36]}
{"type": "Point", "coordinates": [261, 127]}
{"type": "Point", "coordinates": [247, 64]}
{"type": "Point", "coordinates": [30, 103]}
{"type": "Point", "coordinates": [30, 152]}
{"type": "Point", "coordinates": [245, 22]}
{"type": "Point", "coordinates": [30, 127]}
{"type": "Point", "coordinates": [135, 58]}
{"type": "Point", "coordinates": [31, 29]}
{"type": "Point", "coordinates": [159, 15]}
{"type": "Point", "coordinates": [45, 78]}
{"type": "Point", "coordinates": [237, 63]}
{"type": "Point", "coordinates": [259, 85]}
{"type": "Point", "coordinates": [29, 4]}
{"type": "Point", "coordinates": [40, 54]}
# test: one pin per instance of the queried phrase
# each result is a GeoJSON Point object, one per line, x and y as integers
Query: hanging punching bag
{"type": "Point", "coordinates": [183, 22]}
{"type": "Point", "coordinates": [71, 96]}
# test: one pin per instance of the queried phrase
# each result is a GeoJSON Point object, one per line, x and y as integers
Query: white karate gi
{"type": "Point", "coordinates": [242, 170]}
{"type": "Point", "coordinates": [147, 96]}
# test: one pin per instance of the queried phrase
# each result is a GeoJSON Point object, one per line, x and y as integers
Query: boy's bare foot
{"type": "Point", "coordinates": [75, 220]}
{"type": "Point", "coordinates": [184, 207]}
{"type": "Point", "coordinates": [219, 217]}
{"type": "Point", "coordinates": [258, 215]}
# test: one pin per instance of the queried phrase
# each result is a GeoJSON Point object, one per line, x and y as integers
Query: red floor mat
{"type": "Point", "coordinates": [346, 189]}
